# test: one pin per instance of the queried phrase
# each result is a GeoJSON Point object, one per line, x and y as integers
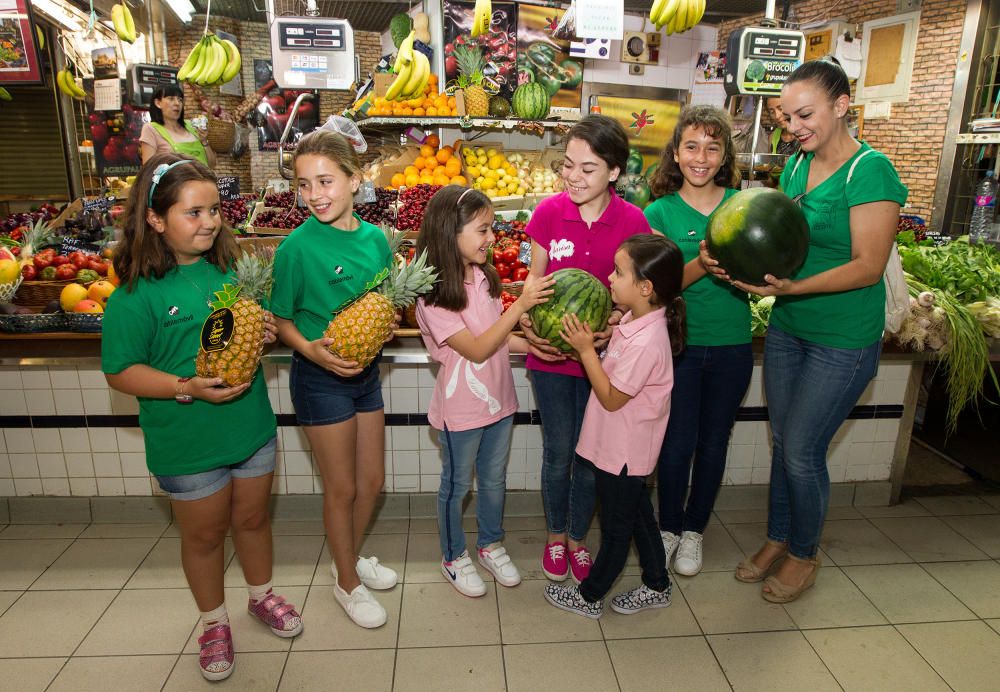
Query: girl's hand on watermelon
{"type": "Point", "coordinates": [709, 263]}
{"type": "Point", "coordinates": [319, 353]}
{"type": "Point", "coordinates": [538, 347]}
{"type": "Point", "coordinates": [577, 334]}
{"type": "Point", "coordinates": [270, 328]}
{"type": "Point", "coordinates": [209, 389]}
{"type": "Point", "coordinates": [536, 291]}
{"type": "Point", "coordinates": [773, 287]}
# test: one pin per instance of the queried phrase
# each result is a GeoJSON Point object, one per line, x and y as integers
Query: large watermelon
{"type": "Point", "coordinates": [758, 231]}
{"type": "Point", "coordinates": [531, 101]}
{"type": "Point", "coordinates": [578, 292]}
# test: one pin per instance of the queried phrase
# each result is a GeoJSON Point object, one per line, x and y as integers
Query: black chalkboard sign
{"type": "Point", "coordinates": [229, 187]}
{"type": "Point", "coordinates": [68, 245]}
{"type": "Point", "coordinates": [99, 204]}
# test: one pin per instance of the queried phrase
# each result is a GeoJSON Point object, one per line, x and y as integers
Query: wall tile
{"type": "Point", "coordinates": [741, 456]}
{"type": "Point", "coordinates": [294, 439]}
{"type": "Point", "coordinates": [272, 395]}
{"type": "Point", "coordinates": [427, 376]}
{"type": "Point", "coordinates": [13, 403]}
{"type": "Point", "coordinates": [887, 430]}
{"type": "Point", "coordinates": [23, 465]}
{"type": "Point", "coordinates": [891, 391]}
{"type": "Point", "coordinates": [69, 402]}
{"type": "Point", "coordinates": [79, 465]}
{"type": "Point", "coordinates": [103, 440]}
{"type": "Point", "coordinates": [429, 483]}
{"type": "Point", "coordinates": [35, 378]}
{"type": "Point", "coordinates": [123, 404]}
{"type": "Point", "coordinates": [517, 461]}
{"type": "Point", "coordinates": [864, 431]}
{"type": "Point", "coordinates": [297, 464]}
{"type": "Point", "coordinates": [83, 487]}
{"type": "Point", "coordinates": [107, 465]}
{"type": "Point", "coordinates": [5, 471]}
{"type": "Point", "coordinates": [92, 379]}
{"type": "Point", "coordinates": [860, 454]}
{"type": "Point", "coordinates": [738, 476]}
{"type": "Point", "coordinates": [10, 377]}
{"type": "Point", "coordinates": [110, 487]}
{"type": "Point", "coordinates": [137, 486]}
{"type": "Point", "coordinates": [404, 376]}
{"type": "Point", "coordinates": [837, 473]}
{"type": "Point", "coordinates": [74, 439]}
{"type": "Point", "coordinates": [3, 442]}
{"type": "Point", "coordinates": [760, 476]}
{"type": "Point", "coordinates": [406, 484]}
{"type": "Point", "coordinates": [58, 487]}
{"type": "Point", "coordinates": [515, 481]}
{"type": "Point", "coordinates": [405, 400]}
{"type": "Point", "coordinates": [130, 440]}
{"type": "Point", "coordinates": [134, 464]}
{"type": "Point", "coordinates": [97, 402]}
{"type": "Point", "coordinates": [51, 465]}
{"type": "Point", "coordinates": [761, 457]}
{"type": "Point", "coordinates": [743, 433]}
{"type": "Point", "coordinates": [19, 440]}
{"type": "Point", "coordinates": [428, 437]}
{"type": "Point", "coordinates": [64, 377]}
{"type": "Point", "coordinates": [299, 485]}
{"type": "Point", "coordinates": [285, 401]}
{"type": "Point", "coordinates": [424, 395]}
{"type": "Point", "coordinates": [533, 481]}
{"type": "Point", "coordinates": [40, 402]}
{"type": "Point", "coordinates": [47, 440]}
{"type": "Point", "coordinates": [405, 463]}
{"type": "Point", "coordinates": [430, 461]}
{"type": "Point", "coordinates": [27, 486]}
{"type": "Point", "coordinates": [7, 488]}
{"type": "Point", "coordinates": [405, 437]}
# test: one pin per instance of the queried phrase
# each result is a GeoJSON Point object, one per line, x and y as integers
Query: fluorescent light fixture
{"type": "Point", "coordinates": [58, 13]}
{"type": "Point", "coordinates": [182, 8]}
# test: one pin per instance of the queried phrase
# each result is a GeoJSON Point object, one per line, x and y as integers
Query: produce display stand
{"type": "Point", "coordinates": [464, 123]}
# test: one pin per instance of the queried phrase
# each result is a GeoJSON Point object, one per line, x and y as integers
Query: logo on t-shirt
{"type": "Point", "coordinates": [172, 310]}
{"type": "Point", "coordinates": [560, 249]}
{"type": "Point", "coordinates": [338, 269]}
{"type": "Point", "coordinates": [692, 232]}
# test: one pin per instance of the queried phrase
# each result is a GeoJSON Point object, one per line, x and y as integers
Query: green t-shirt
{"type": "Point", "coordinates": [158, 323]}
{"type": "Point", "coordinates": [846, 319]}
{"type": "Point", "coordinates": [319, 268]}
{"type": "Point", "coordinates": [717, 313]}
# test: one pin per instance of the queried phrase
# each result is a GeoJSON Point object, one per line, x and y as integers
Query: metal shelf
{"type": "Point", "coordinates": [978, 138]}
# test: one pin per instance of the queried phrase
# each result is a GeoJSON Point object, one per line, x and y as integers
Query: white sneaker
{"type": "Point", "coordinates": [463, 575]}
{"type": "Point", "coordinates": [360, 606]}
{"type": "Point", "coordinates": [688, 560]}
{"type": "Point", "coordinates": [670, 542]}
{"type": "Point", "coordinates": [494, 557]}
{"type": "Point", "coordinates": [372, 573]}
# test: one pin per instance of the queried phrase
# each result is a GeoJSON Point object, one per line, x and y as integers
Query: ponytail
{"type": "Point", "coordinates": [677, 324]}
{"type": "Point", "coordinates": [657, 259]}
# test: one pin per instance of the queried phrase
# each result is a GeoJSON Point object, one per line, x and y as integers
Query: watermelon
{"type": "Point", "coordinates": [635, 190]}
{"type": "Point", "coordinates": [531, 101]}
{"type": "Point", "coordinates": [634, 163]}
{"type": "Point", "coordinates": [758, 231]}
{"type": "Point", "coordinates": [575, 291]}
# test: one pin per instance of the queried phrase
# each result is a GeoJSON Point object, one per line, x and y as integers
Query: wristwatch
{"type": "Point", "coordinates": [179, 396]}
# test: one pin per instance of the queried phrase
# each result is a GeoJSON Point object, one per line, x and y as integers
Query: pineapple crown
{"type": "Point", "coordinates": [407, 281]}
{"type": "Point", "coordinates": [38, 235]}
{"type": "Point", "coordinates": [253, 272]}
{"type": "Point", "coordinates": [470, 61]}
{"type": "Point", "coordinates": [226, 298]}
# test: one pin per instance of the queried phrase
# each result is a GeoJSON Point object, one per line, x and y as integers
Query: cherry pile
{"type": "Point", "coordinates": [282, 218]}
{"type": "Point", "coordinates": [510, 229]}
{"type": "Point", "coordinates": [280, 199]}
{"type": "Point", "coordinates": [382, 210]}
{"type": "Point", "coordinates": [912, 223]}
{"type": "Point", "coordinates": [414, 200]}
{"type": "Point", "coordinates": [235, 211]}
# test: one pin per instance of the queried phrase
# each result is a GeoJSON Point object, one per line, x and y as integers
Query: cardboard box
{"type": "Point", "coordinates": [382, 82]}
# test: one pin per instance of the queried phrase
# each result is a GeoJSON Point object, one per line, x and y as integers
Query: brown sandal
{"type": "Point", "coordinates": [783, 593]}
{"type": "Point", "coordinates": [757, 574]}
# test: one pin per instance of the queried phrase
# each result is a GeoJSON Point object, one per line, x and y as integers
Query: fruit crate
{"type": "Point", "coordinates": [33, 324]}
{"type": "Point", "coordinates": [38, 294]}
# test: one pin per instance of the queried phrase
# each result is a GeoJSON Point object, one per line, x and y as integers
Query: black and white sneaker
{"type": "Point", "coordinates": [641, 598]}
{"type": "Point", "coordinates": [568, 598]}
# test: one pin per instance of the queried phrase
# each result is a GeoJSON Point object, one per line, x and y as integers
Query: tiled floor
{"type": "Point", "coordinates": [908, 598]}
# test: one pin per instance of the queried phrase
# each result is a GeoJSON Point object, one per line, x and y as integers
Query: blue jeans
{"type": "Point", "coordinates": [709, 384]}
{"type": "Point", "coordinates": [810, 390]}
{"type": "Point", "coordinates": [567, 481]}
{"type": "Point", "coordinates": [486, 450]}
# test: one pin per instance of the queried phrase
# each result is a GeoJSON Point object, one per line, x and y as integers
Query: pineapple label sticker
{"type": "Point", "coordinates": [218, 328]}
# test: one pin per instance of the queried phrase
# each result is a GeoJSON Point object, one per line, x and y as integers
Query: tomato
{"type": "Point", "coordinates": [65, 272]}
{"type": "Point", "coordinates": [509, 255]}
{"type": "Point", "coordinates": [503, 269]}
{"type": "Point", "coordinates": [79, 259]}
{"type": "Point", "coordinates": [29, 272]}
{"type": "Point", "coordinates": [520, 274]}
{"type": "Point", "coordinates": [60, 260]}
{"type": "Point", "coordinates": [98, 265]}
{"type": "Point", "coordinates": [42, 260]}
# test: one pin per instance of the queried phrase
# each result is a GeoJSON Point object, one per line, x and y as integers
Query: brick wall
{"type": "Point", "coordinates": [255, 167]}
{"type": "Point", "coordinates": [913, 137]}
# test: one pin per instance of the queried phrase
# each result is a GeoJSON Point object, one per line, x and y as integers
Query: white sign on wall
{"type": "Point", "coordinates": [600, 19]}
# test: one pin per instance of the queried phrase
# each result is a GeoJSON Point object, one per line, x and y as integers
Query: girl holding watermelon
{"type": "Point", "coordinates": [697, 172]}
{"type": "Point", "coordinates": [580, 228]}
{"type": "Point", "coordinates": [825, 333]}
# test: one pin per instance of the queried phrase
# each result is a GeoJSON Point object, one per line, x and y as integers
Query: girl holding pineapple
{"type": "Point", "coordinates": [176, 254]}
{"type": "Point", "coordinates": [329, 265]}
{"type": "Point", "coordinates": [465, 330]}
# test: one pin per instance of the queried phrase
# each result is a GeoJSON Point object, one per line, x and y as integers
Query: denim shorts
{"type": "Point", "coordinates": [322, 398]}
{"type": "Point", "coordinates": [196, 486]}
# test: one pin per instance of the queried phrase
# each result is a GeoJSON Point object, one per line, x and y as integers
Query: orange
{"type": "Point", "coordinates": [441, 102]}
{"type": "Point", "coordinates": [444, 110]}
{"type": "Point", "coordinates": [407, 111]}
{"type": "Point", "coordinates": [411, 170]}
{"type": "Point", "coordinates": [428, 102]}
{"type": "Point", "coordinates": [440, 180]}
{"type": "Point", "coordinates": [427, 151]}
{"type": "Point", "coordinates": [419, 111]}
{"type": "Point", "coordinates": [433, 141]}
{"type": "Point", "coordinates": [459, 180]}
{"type": "Point", "coordinates": [432, 78]}
{"type": "Point", "coordinates": [100, 291]}
{"type": "Point", "coordinates": [444, 154]}
{"type": "Point", "coordinates": [432, 111]}
{"type": "Point", "coordinates": [412, 179]}
{"type": "Point", "coordinates": [420, 163]}
{"type": "Point", "coordinates": [453, 167]}
{"type": "Point", "coordinates": [451, 102]}
{"type": "Point", "coordinates": [398, 180]}
{"type": "Point", "coordinates": [413, 103]}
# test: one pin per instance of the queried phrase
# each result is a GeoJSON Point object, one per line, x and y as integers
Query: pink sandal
{"type": "Point", "coordinates": [216, 657]}
{"type": "Point", "coordinates": [281, 617]}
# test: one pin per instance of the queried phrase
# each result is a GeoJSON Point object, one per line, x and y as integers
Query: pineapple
{"type": "Point", "coordinates": [470, 68]}
{"type": "Point", "coordinates": [359, 330]}
{"type": "Point", "coordinates": [237, 362]}
{"type": "Point", "coordinates": [40, 234]}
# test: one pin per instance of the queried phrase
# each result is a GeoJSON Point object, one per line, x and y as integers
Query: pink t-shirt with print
{"type": "Point", "coordinates": [467, 395]}
{"type": "Point", "coordinates": [557, 226]}
{"type": "Point", "coordinates": [638, 363]}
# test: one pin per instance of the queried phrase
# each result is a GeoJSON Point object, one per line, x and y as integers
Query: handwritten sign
{"type": "Point", "coordinates": [99, 204]}
{"type": "Point", "coordinates": [68, 245]}
{"type": "Point", "coordinates": [229, 187]}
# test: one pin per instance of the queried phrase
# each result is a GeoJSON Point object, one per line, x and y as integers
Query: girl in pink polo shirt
{"type": "Point", "coordinates": [625, 421]}
{"type": "Point", "coordinates": [465, 330]}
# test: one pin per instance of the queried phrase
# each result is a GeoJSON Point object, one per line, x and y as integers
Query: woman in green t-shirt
{"type": "Point", "coordinates": [211, 447]}
{"type": "Point", "coordinates": [825, 334]}
{"type": "Point", "coordinates": [697, 172]}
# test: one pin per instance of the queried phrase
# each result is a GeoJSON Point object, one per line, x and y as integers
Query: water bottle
{"type": "Point", "coordinates": [982, 212]}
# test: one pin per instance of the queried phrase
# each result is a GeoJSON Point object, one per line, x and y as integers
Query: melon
{"type": "Point", "coordinates": [758, 231]}
{"type": "Point", "coordinates": [499, 107]}
{"type": "Point", "coordinates": [531, 101]}
{"type": "Point", "coordinates": [575, 291]}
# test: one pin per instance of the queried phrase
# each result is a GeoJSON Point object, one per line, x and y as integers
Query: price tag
{"type": "Point", "coordinates": [100, 204]}
{"type": "Point", "coordinates": [69, 245]}
{"type": "Point", "coordinates": [229, 187]}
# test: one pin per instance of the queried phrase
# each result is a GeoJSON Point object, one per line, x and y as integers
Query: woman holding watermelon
{"type": "Point", "coordinates": [825, 334]}
{"type": "Point", "coordinates": [579, 228]}
{"type": "Point", "coordinates": [697, 173]}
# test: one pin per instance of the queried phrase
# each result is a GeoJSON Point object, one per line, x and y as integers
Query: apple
{"type": "Point", "coordinates": [88, 305]}
{"type": "Point", "coordinates": [99, 132]}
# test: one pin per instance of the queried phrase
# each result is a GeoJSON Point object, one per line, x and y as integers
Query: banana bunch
{"type": "Point", "coordinates": [121, 17]}
{"type": "Point", "coordinates": [213, 61]}
{"type": "Point", "coordinates": [412, 69]}
{"type": "Point", "coordinates": [67, 85]}
{"type": "Point", "coordinates": [482, 17]}
{"type": "Point", "coordinates": [5, 95]}
{"type": "Point", "coordinates": [676, 15]}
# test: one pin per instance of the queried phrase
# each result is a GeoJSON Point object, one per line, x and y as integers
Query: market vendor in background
{"type": "Point", "coordinates": [781, 139]}
{"type": "Point", "coordinates": [169, 133]}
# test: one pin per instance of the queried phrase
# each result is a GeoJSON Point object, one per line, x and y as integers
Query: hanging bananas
{"type": "Point", "coordinates": [482, 17]}
{"type": "Point", "coordinates": [67, 85]}
{"type": "Point", "coordinates": [676, 15]}
{"type": "Point", "coordinates": [412, 68]}
{"type": "Point", "coordinates": [121, 17]}
{"type": "Point", "coordinates": [5, 95]}
{"type": "Point", "coordinates": [212, 61]}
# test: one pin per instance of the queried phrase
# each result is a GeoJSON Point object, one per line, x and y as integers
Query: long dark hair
{"type": "Point", "coordinates": [142, 251]}
{"type": "Point", "coordinates": [657, 259]}
{"type": "Point", "coordinates": [449, 210]}
{"type": "Point", "coordinates": [606, 137]}
{"type": "Point", "coordinates": [716, 124]}
{"type": "Point", "coordinates": [155, 113]}
{"type": "Point", "coordinates": [826, 73]}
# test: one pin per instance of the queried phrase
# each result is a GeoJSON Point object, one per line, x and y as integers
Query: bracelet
{"type": "Point", "coordinates": [179, 396]}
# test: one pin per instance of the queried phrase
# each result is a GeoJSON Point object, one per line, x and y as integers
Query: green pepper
{"type": "Point", "coordinates": [85, 276]}
{"type": "Point", "coordinates": [48, 274]}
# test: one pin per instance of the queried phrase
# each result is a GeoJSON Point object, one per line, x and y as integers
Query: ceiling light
{"type": "Point", "coordinates": [58, 13]}
{"type": "Point", "coordinates": [182, 8]}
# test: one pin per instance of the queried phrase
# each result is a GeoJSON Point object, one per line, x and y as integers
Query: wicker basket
{"type": "Point", "coordinates": [221, 134]}
{"type": "Point", "coordinates": [31, 324]}
{"type": "Point", "coordinates": [84, 321]}
{"type": "Point", "coordinates": [38, 294]}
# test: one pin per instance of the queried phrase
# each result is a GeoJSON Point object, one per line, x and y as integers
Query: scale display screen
{"type": "Point", "coordinates": [312, 53]}
{"type": "Point", "coordinates": [143, 80]}
{"type": "Point", "coordinates": [763, 58]}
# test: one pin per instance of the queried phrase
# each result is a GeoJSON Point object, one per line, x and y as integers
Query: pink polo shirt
{"type": "Point", "coordinates": [638, 362]}
{"type": "Point", "coordinates": [467, 395]}
{"type": "Point", "coordinates": [556, 225]}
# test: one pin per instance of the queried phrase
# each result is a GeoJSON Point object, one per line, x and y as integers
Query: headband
{"type": "Point", "coordinates": [158, 174]}
{"type": "Point", "coordinates": [467, 191]}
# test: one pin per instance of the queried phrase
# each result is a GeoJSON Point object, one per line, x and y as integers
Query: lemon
{"type": "Point", "coordinates": [478, 151]}
{"type": "Point", "coordinates": [488, 184]}
{"type": "Point", "coordinates": [473, 171]}
{"type": "Point", "coordinates": [520, 190]}
{"type": "Point", "coordinates": [491, 193]}
{"type": "Point", "coordinates": [482, 159]}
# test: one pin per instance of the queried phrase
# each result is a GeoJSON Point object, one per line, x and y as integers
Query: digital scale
{"type": "Point", "coordinates": [760, 58]}
{"type": "Point", "coordinates": [313, 53]}
{"type": "Point", "coordinates": [143, 80]}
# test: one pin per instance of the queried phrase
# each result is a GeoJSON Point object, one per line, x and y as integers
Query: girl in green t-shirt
{"type": "Point", "coordinates": [211, 448]}
{"type": "Point", "coordinates": [697, 172]}
{"type": "Point", "coordinates": [329, 261]}
{"type": "Point", "coordinates": [825, 334]}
